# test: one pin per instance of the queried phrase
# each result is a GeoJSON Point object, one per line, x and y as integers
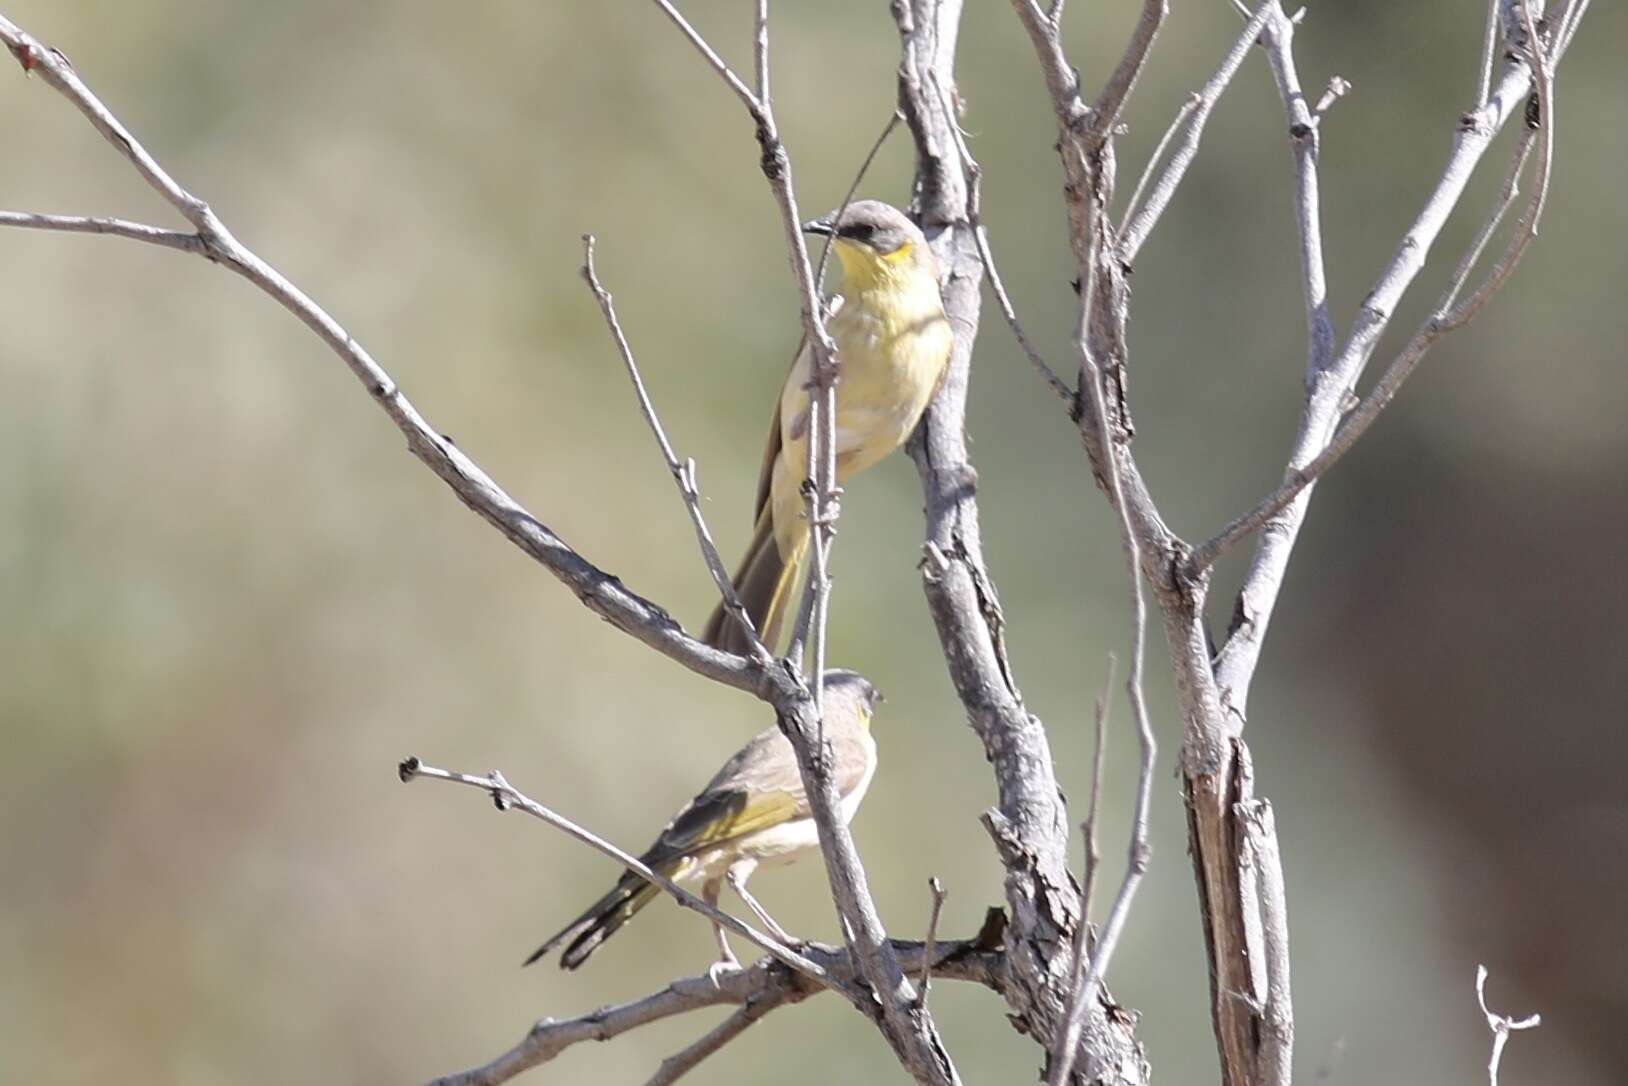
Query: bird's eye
{"type": "Point", "coordinates": [860, 231]}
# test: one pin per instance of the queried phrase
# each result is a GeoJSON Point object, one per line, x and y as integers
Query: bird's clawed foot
{"type": "Point", "coordinates": [723, 967]}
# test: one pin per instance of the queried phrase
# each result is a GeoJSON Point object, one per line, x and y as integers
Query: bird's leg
{"type": "Point", "coordinates": [726, 957]}
{"type": "Point", "coordinates": [737, 875]}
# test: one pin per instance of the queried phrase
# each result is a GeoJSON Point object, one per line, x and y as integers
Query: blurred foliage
{"type": "Point", "coordinates": [233, 603]}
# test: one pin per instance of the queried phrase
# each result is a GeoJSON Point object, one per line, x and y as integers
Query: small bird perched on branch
{"type": "Point", "coordinates": [752, 813]}
{"type": "Point", "coordinates": [893, 348]}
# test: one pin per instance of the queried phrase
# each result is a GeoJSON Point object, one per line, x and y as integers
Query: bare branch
{"type": "Point", "coordinates": [549, 1037]}
{"type": "Point", "coordinates": [1089, 976]}
{"type": "Point", "coordinates": [1448, 315]}
{"type": "Point", "coordinates": [848, 196]}
{"type": "Point", "coordinates": [751, 101]}
{"type": "Point", "coordinates": [1489, 49]}
{"type": "Point", "coordinates": [1261, 885]}
{"type": "Point", "coordinates": [599, 591]}
{"type": "Point", "coordinates": [974, 179]}
{"type": "Point", "coordinates": [122, 228]}
{"type": "Point", "coordinates": [1139, 224]}
{"type": "Point", "coordinates": [1176, 122]}
{"type": "Point", "coordinates": [935, 888]}
{"type": "Point", "coordinates": [53, 67]}
{"type": "Point", "coordinates": [1322, 437]}
{"type": "Point", "coordinates": [1500, 1024]}
{"type": "Point", "coordinates": [907, 1026]}
{"type": "Point", "coordinates": [767, 981]}
{"type": "Point", "coordinates": [1106, 110]}
{"type": "Point", "coordinates": [683, 473]}
{"type": "Point", "coordinates": [1093, 805]}
{"type": "Point", "coordinates": [505, 796]}
{"type": "Point", "coordinates": [760, 52]}
{"type": "Point", "coordinates": [679, 1064]}
{"type": "Point", "coordinates": [1472, 255]}
{"type": "Point", "coordinates": [1338, 87]}
{"type": "Point", "coordinates": [1029, 823]}
{"type": "Point", "coordinates": [1080, 962]}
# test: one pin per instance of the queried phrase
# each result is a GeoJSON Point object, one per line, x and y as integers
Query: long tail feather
{"type": "Point", "coordinates": [599, 922]}
{"type": "Point", "coordinates": [764, 582]}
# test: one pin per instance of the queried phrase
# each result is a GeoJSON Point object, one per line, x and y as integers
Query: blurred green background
{"type": "Point", "coordinates": [232, 602]}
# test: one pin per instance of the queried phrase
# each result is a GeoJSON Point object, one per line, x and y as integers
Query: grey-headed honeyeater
{"type": "Point", "coordinates": [752, 813]}
{"type": "Point", "coordinates": [893, 346]}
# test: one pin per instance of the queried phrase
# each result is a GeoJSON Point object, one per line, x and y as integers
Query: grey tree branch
{"type": "Point", "coordinates": [1213, 756]}
{"type": "Point", "coordinates": [907, 1026]}
{"type": "Point", "coordinates": [120, 228]}
{"type": "Point", "coordinates": [936, 889]}
{"type": "Point", "coordinates": [799, 703]}
{"type": "Point", "coordinates": [1110, 103]}
{"type": "Point", "coordinates": [1140, 223]}
{"type": "Point", "coordinates": [1194, 100]}
{"type": "Point", "coordinates": [768, 982]}
{"type": "Point", "coordinates": [1501, 1025]}
{"type": "Point", "coordinates": [599, 591]}
{"type": "Point", "coordinates": [683, 473]}
{"type": "Point", "coordinates": [974, 179]}
{"type": "Point", "coordinates": [1322, 437]}
{"type": "Point", "coordinates": [506, 796]}
{"type": "Point", "coordinates": [681, 1063]}
{"type": "Point", "coordinates": [1088, 976]}
{"type": "Point", "coordinates": [1264, 905]}
{"type": "Point", "coordinates": [1029, 822]}
{"type": "Point", "coordinates": [1093, 807]}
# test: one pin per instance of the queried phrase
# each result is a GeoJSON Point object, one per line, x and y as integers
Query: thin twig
{"type": "Point", "coordinates": [598, 590]}
{"type": "Point", "coordinates": [1106, 110]}
{"type": "Point", "coordinates": [548, 1038]}
{"type": "Point", "coordinates": [1137, 227]}
{"type": "Point", "coordinates": [766, 980]}
{"type": "Point", "coordinates": [1506, 200]}
{"type": "Point", "coordinates": [753, 103]}
{"type": "Point", "coordinates": [1338, 87]}
{"type": "Point", "coordinates": [1325, 430]}
{"type": "Point", "coordinates": [1093, 806]}
{"type": "Point", "coordinates": [1082, 945]}
{"type": "Point", "coordinates": [974, 175]}
{"type": "Point", "coordinates": [683, 472]}
{"type": "Point", "coordinates": [760, 52]}
{"type": "Point", "coordinates": [1543, 80]}
{"type": "Point", "coordinates": [935, 888]}
{"type": "Point", "coordinates": [1568, 28]}
{"type": "Point", "coordinates": [122, 228]}
{"type": "Point", "coordinates": [805, 609]}
{"type": "Point", "coordinates": [505, 796]}
{"type": "Point", "coordinates": [1029, 823]}
{"type": "Point", "coordinates": [679, 1064]}
{"type": "Point", "coordinates": [1193, 101]}
{"type": "Point", "coordinates": [1087, 980]}
{"type": "Point", "coordinates": [908, 1027]}
{"type": "Point", "coordinates": [1500, 1024]}
{"type": "Point", "coordinates": [1446, 317]}
{"type": "Point", "coordinates": [848, 196]}
{"type": "Point", "coordinates": [1489, 49]}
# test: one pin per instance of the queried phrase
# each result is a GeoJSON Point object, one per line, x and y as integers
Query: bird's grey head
{"type": "Point", "coordinates": [851, 685]}
{"type": "Point", "coordinates": [871, 224]}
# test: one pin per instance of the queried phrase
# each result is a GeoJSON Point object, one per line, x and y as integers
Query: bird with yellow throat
{"type": "Point", "coordinates": [893, 348]}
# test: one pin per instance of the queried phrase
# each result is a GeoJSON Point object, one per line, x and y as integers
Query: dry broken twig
{"type": "Point", "coordinates": [506, 797]}
{"type": "Point", "coordinates": [1501, 1025]}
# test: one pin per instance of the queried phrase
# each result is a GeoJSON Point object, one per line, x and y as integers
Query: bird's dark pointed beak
{"type": "Point", "coordinates": [823, 226]}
